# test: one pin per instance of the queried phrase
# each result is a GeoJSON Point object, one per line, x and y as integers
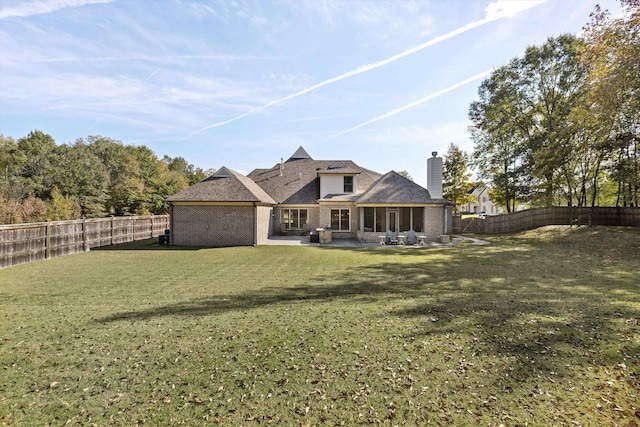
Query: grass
{"type": "Point", "coordinates": [539, 328]}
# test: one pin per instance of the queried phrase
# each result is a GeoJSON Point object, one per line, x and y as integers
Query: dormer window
{"type": "Point", "coordinates": [348, 184]}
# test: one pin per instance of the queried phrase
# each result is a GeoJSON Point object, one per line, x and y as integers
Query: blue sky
{"type": "Point", "coordinates": [244, 83]}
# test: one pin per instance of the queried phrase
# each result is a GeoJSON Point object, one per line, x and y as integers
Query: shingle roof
{"type": "Point", "coordinates": [394, 188]}
{"type": "Point", "coordinates": [296, 181]}
{"type": "Point", "coordinates": [300, 153]}
{"type": "Point", "coordinates": [225, 185]}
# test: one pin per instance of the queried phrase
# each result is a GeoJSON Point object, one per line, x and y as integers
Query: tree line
{"type": "Point", "coordinates": [560, 125]}
{"type": "Point", "coordinates": [92, 177]}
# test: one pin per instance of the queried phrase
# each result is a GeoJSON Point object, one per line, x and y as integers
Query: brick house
{"type": "Point", "coordinates": [301, 194]}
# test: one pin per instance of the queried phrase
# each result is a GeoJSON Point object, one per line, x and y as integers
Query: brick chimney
{"type": "Point", "coordinates": [434, 175]}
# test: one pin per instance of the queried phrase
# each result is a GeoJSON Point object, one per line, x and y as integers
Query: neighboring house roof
{"type": "Point", "coordinates": [296, 180]}
{"type": "Point", "coordinates": [225, 185]}
{"type": "Point", "coordinates": [396, 189]}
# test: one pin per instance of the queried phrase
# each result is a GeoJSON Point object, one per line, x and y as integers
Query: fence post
{"type": "Point", "coordinates": [112, 223]}
{"type": "Point", "coordinates": [47, 239]}
{"type": "Point", "coordinates": [133, 221]}
{"type": "Point", "coordinates": [85, 245]}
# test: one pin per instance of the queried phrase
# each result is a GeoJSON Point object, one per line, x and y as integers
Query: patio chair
{"type": "Point", "coordinates": [411, 238]}
{"type": "Point", "coordinates": [391, 239]}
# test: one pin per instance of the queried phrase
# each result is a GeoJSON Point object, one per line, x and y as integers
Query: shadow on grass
{"type": "Point", "coordinates": [145, 245]}
{"type": "Point", "coordinates": [518, 302]}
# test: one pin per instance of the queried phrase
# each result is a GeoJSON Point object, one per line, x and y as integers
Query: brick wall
{"type": "Point", "coordinates": [434, 222]}
{"type": "Point", "coordinates": [213, 226]}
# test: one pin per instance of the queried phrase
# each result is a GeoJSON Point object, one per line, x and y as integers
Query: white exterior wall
{"type": "Point", "coordinates": [264, 230]}
{"type": "Point", "coordinates": [333, 184]}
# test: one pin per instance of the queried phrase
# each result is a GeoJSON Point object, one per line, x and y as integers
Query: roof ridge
{"type": "Point", "coordinates": [251, 185]}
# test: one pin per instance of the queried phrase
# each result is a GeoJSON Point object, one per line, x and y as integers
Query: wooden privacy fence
{"type": "Point", "coordinates": [557, 215]}
{"type": "Point", "coordinates": [22, 243]}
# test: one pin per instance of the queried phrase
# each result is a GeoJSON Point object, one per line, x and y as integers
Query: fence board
{"type": "Point", "coordinates": [539, 217]}
{"type": "Point", "coordinates": [23, 243]}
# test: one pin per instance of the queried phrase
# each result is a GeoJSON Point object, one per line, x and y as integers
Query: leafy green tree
{"type": "Point", "coordinates": [92, 177]}
{"type": "Point", "coordinates": [60, 208]}
{"type": "Point", "coordinates": [405, 174]}
{"type": "Point", "coordinates": [80, 175]}
{"type": "Point", "coordinates": [553, 80]}
{"type": "Point", "coordinates": [521, 122]}
{"type": "Point", "coordinates": [125, 186]}
{"type": "Point", "coordinates": [180, 166]}
{"type": "Point", "coordinates": [159, 183]}
{"type": "Point", "coordinates": [32, 163]}
{"type": "Point", "coordinates": [500, 134]}
{"type": "Point", "coordinates": [10, 167]}
{"type": "Point", "coordinates": [456, 177]}
{"type": "Point", "coordinates": [612, 54]}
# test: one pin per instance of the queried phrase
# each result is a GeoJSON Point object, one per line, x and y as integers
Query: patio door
{"type": "Point", "coordinates": [392, 219]}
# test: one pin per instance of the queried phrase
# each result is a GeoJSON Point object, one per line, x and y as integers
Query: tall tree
{"type": "Point", "coordinates": [501, 132]}
{"type": "Point", "coordinates": [33, 161]}
{"type": "Point", "coordinates": [183, 168]}
{"type": "Point", "coordinates": [520, 124]}
{"type": "Point", "coordinates": [612, 54]}
{"type": "Point", "coordinates": [80, 175]}
{"type": "Point", "coordinates": [126, 186]}
{"type": "Point", "coordinates": [456, 177]}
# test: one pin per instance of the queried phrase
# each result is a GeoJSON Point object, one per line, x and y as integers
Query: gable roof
{"type": "Point", "coordinates": [297, 182]}
{"type": "Point", "coordinates": [396, 189]}
{"type": "Point", "coordinates": [339, 168]}
{"type": "Point", "coordinates": [300, 153]}
{"type": "Point", "coordinates": [225, 185]}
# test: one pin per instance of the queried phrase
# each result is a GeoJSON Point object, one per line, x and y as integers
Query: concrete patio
{"type": "Point", "coordinates": [349, 243]}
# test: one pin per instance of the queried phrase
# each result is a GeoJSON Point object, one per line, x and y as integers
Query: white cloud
{"type": "Point", "coordinates": [201, 10]}
{"type": "Point", "coordinates": [415, 103]}
{"type": "Point", "coordinates": [509, 8]}
{"type": "Point", "coordinates": [24, 9]}
{"type": "Point", "coordinates": [497, 10]}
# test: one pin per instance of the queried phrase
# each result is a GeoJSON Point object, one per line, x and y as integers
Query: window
{"type": "Point", "coordinates": [405, 219]}
{"type": "Point", "coordinates": [348, 184]}
{"type": "Point", "coordinates": [411, 219]}
{"type": "Point", "coordinates": [340, 219]}
{"type": "Point", "coordinates": [369, 219]}
{"type": "Point", "coordinates": [418, 219]}
{"type": "Point", "coordinates": [294, 219]}
{"type": "Point", "coordinates": [375, 219]}
{"type": "Point", "coordinates": [381, 220]}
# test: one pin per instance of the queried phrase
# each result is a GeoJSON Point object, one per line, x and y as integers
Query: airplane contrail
{"type": "Point", "coordinates": [414, 103]}
{"type": "Point", "coordinates": [494, 11]}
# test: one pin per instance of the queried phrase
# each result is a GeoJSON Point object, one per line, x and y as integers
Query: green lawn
{"type": "Point", "coordinates": [539, 328]}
